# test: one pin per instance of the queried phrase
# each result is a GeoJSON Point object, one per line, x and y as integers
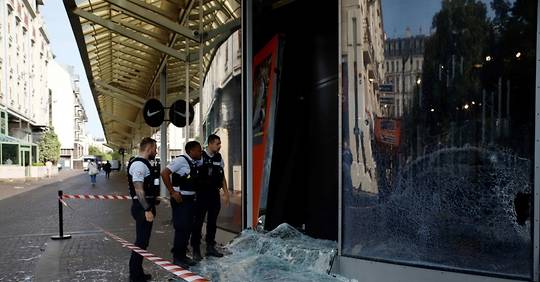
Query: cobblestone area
{"type": "Point", "coordinates": [29, 219]}
{"type": "Point", "coordinates": [19, 256]}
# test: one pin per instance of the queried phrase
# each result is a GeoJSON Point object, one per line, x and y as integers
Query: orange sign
{"type": "Point", "coordinates": [388, 131]}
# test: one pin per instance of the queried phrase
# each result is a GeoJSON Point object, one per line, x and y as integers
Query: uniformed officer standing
{"type": "Point", "coordinates": [184, 173]}
{"type": "Point", "coordinates": [143, 210]}
{"type": "Point", "coordinates": [211, 180]}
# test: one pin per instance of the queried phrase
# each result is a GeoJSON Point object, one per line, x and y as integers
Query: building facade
{"type": "Point", "coordinates": [24, 95]}
{"type": "Point", "coordinates": [67, 114]}
{"type": "Point", "coordinates": [362, 69]}
{"type": "Point", "coordinates": [403, 68]}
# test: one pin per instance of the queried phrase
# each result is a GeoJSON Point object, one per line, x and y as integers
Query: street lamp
{"type": "Point", "coordinates": [518, 54]}
{"type": "Point", "coordinates": [488, 58]}
{"type": "Point", "coordinates": [418, 81]}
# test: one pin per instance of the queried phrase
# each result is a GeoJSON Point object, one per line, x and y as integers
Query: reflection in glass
{"type": "Point", "coordinates": [224, 120]}
{"type": "Point", "coordinates": [438, 132]}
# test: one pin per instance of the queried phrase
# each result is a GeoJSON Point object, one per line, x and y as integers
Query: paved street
{"type": "Point", "coordinates": [28, 219]}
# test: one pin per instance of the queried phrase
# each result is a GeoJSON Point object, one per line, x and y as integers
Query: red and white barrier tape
{"type": "Point", "coordinates": [104, 197]}
{"type": "Point", "coordinates": [165, 264]}
{"type": "Point", "coordinates": [97, 197]}
{"type": "Point", "coordinates": [64, 203]}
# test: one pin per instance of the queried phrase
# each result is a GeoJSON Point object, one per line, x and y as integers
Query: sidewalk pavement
{"type": "Point", "coordinates": [28, 220]}
{"type": "Point", "coordinates": [9, 188]}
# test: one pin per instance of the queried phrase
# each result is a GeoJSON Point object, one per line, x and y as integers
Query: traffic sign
{"type": "Point", "coordinates": [177, 113]}
{"type": "Point", "coordinates": [153, 113]}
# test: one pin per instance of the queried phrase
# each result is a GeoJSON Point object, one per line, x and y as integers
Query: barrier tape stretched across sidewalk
{"type": "Point", "coordinates": [97, 197]}
{"type": "Point", "coordinates": [103, 197]}
{"type": "Point", "coordinates": [163, 263]}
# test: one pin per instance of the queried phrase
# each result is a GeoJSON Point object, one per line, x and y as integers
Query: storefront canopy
{"type": "Point", "coordinates": [126, 44]}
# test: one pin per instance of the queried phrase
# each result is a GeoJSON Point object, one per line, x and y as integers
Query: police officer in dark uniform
{"type": "Point", "coordinates": [184, 174]}
{"type": "Point", "coordinates": [143, 210]}
{"type": "Point", "coordinates": [211, 180]}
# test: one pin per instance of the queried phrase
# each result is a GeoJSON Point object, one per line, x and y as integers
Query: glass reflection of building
{"type": "Point", "coordinates": [363, 55]}
{"type": "Point", "coordinates": [403, 70]}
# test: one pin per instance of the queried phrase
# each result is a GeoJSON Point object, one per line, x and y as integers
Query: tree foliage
{"type": "Point", "coordinates": [451, 59]}
{"type": "Point", "coordinates": [469, 57]}
{"type": "Point", "coordinates": [93, 150]}
{"type": "Point", "coordinates": [49, 147]}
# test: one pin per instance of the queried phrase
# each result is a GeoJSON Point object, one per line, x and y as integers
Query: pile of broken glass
{"type": "Point", "coordinates": [283, 254]}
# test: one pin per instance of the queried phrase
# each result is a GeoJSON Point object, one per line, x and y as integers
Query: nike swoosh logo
{"type": "Point", "coordinates": [149, 114]}
{"type": "Point", "coordinates": [180, 113]}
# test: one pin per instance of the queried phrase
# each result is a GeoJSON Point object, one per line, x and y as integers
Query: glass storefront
{"type": "Point", "coordinates": [438, 133]}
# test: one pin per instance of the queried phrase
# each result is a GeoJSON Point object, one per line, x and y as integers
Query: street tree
{"type": "Point", "coordinates": [49, 147]}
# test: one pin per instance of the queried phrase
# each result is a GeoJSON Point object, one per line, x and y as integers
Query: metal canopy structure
{"type": "Point", "coordinates": [125, 46]}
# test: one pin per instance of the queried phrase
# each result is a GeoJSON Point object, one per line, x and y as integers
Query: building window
{"type": "Point", "coordinates": [34, 154]}
{"type": "Point", "coordinates": [3, 123]}
{"type": "Point", "coordinates": [10, 154]}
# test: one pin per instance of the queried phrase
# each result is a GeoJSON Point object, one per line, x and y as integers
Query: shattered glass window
{"type": "Point", "coordinates": [439, 173]}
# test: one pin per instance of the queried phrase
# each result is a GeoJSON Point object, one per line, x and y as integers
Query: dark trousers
{"type": "Point", "coordinates": [208, 203]}
{"type": "Point", "coordinates": [183, 222]}
{"type": "Point", "coordinates": [143, 229]}
{"type": "Point", "coordinates": [108, 173]}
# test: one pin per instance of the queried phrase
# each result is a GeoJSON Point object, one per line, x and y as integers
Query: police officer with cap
{"type": "Point", "coordinates": [143, 210]}
{"type": "Point", "coordinates": [183, 171]}
{"type": "Point", "coordinates": [211, 180]}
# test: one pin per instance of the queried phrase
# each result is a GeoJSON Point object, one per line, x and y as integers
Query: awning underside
{"type": "Point", "coordinates": [125, 44]}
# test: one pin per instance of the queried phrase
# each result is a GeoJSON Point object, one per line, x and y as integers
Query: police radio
{"type": "Point", "coordinates": [156, 168]}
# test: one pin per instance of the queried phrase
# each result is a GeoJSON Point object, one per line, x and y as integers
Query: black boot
{"type": "Point", "coordinates": [184, 262]}
{"type": "Point", "coordinates": [212, 251]}
{"type": "Point", "coordinates": [140, 278]}
{"type": "Point", "coordinates": [197, 254]}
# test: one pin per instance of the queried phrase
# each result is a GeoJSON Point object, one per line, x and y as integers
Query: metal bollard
{"type": "Point", "coordinates": [61, 235]}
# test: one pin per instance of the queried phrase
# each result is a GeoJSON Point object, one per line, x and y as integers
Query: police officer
{"type": "Point", "coordinates": [184, 173]}
{"type": "Point", "coordinates": [143, 210]}
{"type": "Point", "coordinates": [211, 180]}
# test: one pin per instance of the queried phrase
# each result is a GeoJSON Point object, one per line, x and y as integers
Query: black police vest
{"type": "Point", "coordinates": [150, 190]}
{"type": "Point", "coordinates": [187, 182]}
{"type": "Point", "coordinates": [211, 172]}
